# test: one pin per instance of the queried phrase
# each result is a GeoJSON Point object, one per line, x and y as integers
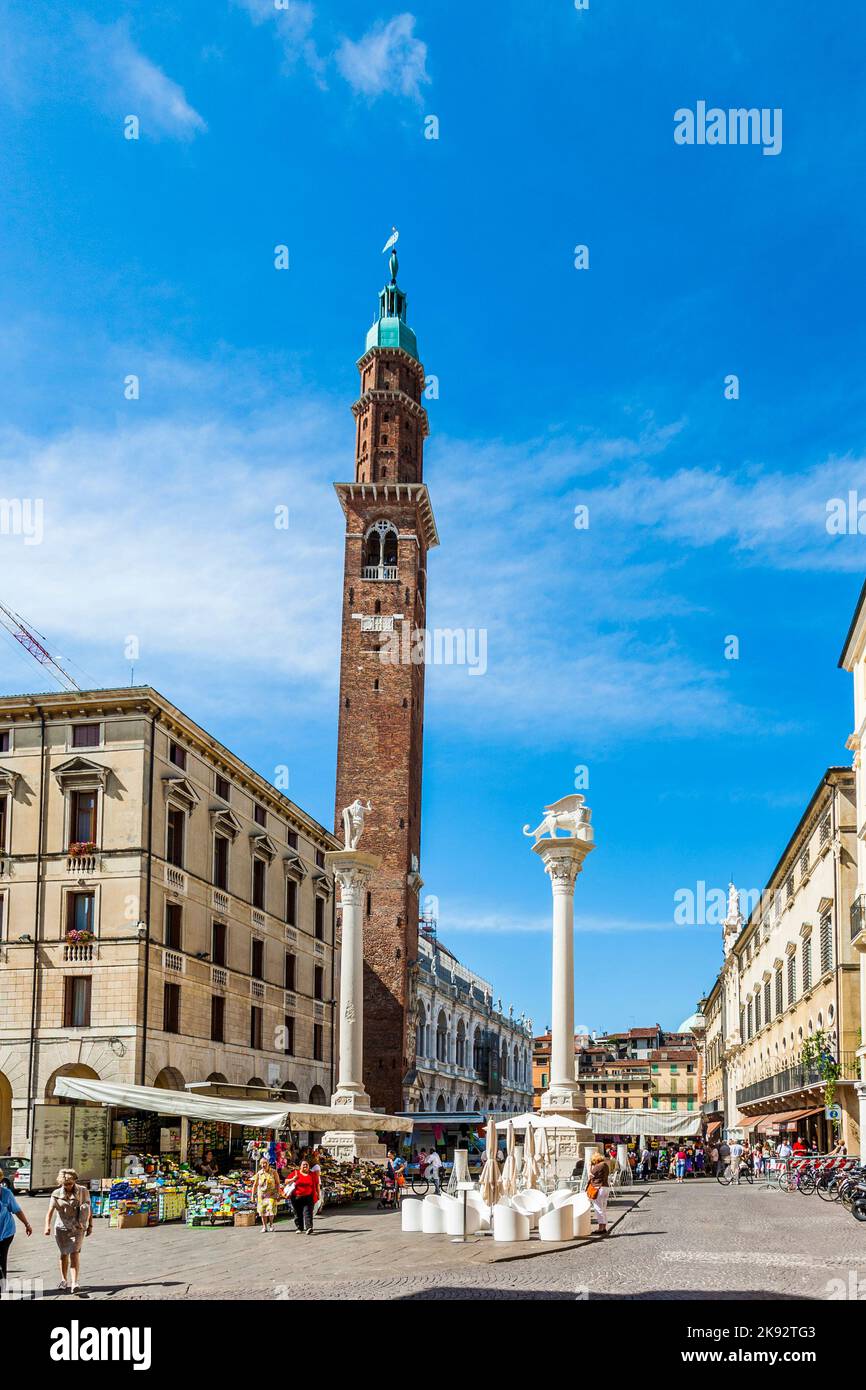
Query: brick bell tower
{"type": "Point", "coordinates": [389, 530]}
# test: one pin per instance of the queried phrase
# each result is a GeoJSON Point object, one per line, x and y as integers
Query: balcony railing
{"type": "Point", "coordinates": [79, 953]}
{"type": "Point", "coordinates": [379, 572]}
{"type": "Point", "coordinates": [794, 1078]}
{"type": "Point", "coordinates": [175, 878]}
{"type": "Point", "coordinates": [81, 864]}
{"type": "Point", "coordinates": [858, 915]}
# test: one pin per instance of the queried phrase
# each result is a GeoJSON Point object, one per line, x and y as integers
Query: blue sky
{"type": "Point", "coordinates": [558, 387]}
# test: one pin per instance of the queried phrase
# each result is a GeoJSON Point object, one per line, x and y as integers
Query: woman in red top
{"type": "Point", "coordinates": [305, 1194]}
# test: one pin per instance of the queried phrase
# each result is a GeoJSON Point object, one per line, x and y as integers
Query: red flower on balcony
{"type": "Point", "coordinates": [81, 847]}
{"type": "Point", "coordinates": [78, 938]}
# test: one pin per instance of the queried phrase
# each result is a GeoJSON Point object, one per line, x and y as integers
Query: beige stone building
{"type": "Point", "coordinates": [165, 913]}
{"type": "Point", "coordinates": [784, 1010]}
{"type": "Point", "coordinates": [853, 659]}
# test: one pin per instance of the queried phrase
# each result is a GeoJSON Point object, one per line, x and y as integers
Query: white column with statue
{"type": "Point", "coordinates": [353, 871]}
{"type": "Point", "coordinates": [563, 858]}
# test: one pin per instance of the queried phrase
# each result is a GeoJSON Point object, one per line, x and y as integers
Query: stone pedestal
{"type": "Point", "coordinates": [353, 870]}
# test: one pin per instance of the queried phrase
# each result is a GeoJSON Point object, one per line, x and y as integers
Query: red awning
{"type": "Point", "coordinates": [784, 1118]}
{"type": "Point", "coordinates": [712, 1127]}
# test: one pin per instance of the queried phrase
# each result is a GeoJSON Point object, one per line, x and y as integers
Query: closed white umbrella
{"type": "Point", "coordinates": [509, 1167]}
{"type": "Point", "coordinates": [530, 1162]}
{"type": "Point", "coordinates": [491, 1178]}
{"type": "Point", "coordinates": [543, 1149]}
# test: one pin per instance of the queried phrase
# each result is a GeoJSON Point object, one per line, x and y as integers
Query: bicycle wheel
{"type": "Point", "coordinates": [787, 1182]}
{"type": "Point", "coordinates": [808, 1182]}
{"type": "Point", "coordinates": [826, 1188]}
{"type": "Point", "coordinates": [420, 1186]}
{"type": "Point", "coordinates": [726, 1177]}
{"type": "Point", "coordinates": [748, 1175]}
{"type": "Point", "coordinates": [858, 1209]}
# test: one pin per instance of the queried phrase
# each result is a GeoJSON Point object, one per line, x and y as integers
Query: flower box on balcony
{"type": "Point", "coordinates": [79, 848]}
{"type": "Point", "coordinates": [78, 938]}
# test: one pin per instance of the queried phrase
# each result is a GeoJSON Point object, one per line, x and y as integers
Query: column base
{"type": "Point", "coordinates": [351, 1098]}
{"type": "Point", "coordinates": [565, 1098]}
{"type": "Point", "coordinates": [567, 1146]}
{"type": "Point", "coordinates": [346, 1144]}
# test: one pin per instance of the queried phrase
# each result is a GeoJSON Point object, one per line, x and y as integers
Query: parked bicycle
{"type": "Point", "coordinates": [736, 1171]}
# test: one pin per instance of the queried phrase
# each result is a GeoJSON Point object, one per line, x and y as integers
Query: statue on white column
{"type": "Point", "coordinates": [568, 814]}
{"type": "Point", "coordinates": [353, 822]}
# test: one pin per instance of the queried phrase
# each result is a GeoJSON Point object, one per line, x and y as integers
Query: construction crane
{"type": "Point", "coordinates": [30, 642]}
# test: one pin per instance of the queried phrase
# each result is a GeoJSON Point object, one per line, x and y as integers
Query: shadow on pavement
{"type": "Point", "coordinates": [557, 1296]}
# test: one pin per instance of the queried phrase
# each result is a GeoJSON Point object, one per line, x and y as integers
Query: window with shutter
{"type": "Point", "coordinates": [807, 963]}
{"type": "Point", "coordinates": [826, 943]}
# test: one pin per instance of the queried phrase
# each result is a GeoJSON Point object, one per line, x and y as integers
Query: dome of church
{"type": "Point", "coordinates": [695, 1023]}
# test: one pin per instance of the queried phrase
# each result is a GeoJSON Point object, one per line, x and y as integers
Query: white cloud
{"type": "Point", "coordinates": [766, 516]}
{"type": "Point", "coordinates": [388, 58]}
{"type": "Point", "coordinates": [294, 21]}
{"type": "Point", "coordinates": [174, 508]}
{"type": "Point", "coordinates": [129, 79]}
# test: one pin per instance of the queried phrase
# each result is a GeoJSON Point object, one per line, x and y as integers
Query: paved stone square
{"type": "Point", "coordinates": [696, 1241]}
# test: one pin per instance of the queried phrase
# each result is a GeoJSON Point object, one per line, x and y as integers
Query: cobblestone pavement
{"type": "Point", "coordinates": [695, 1241]}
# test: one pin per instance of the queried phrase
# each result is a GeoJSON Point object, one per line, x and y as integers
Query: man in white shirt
{"type": "Point", "coordinates": [432, 1170]}
{"type": "Point", "coordinates": [736, 1157]}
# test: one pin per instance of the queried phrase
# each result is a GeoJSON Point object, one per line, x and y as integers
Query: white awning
{"type": "Point", "coordinates": [254, 1113]}
{"type": "Point", "coordinates": [542, 1120]}
{"type": "Point", "coordinates": [668, 1124]}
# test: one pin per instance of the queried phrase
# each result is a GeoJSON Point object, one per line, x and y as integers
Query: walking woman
{"type": "Point", "coordinates": [305, 1195]}
{"type": "Point", "coordinates": [598, 1190]}
{"type": "Point", "coordinates": [73, 1220]}
{"type": "Point", "coordinates": [265, 1192]}
{"type": "Point", "coordinates": [9, 1209]}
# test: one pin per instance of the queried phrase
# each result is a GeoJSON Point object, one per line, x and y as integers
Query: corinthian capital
{"type": "Point", "coordinates": [563, 861]}
{"type": "Point", "coordinates": [352, 880]}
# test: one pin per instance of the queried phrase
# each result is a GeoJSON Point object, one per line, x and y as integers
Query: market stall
{"type": "Point", "coordinates": [154, 1179]}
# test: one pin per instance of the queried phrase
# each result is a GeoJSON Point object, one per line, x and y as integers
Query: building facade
{"type": "Point", "coordinates": [783, 1015]}
{"type": "Point", "coordinates": [638, 1069]}
{"type": "Point", "coordinates": [165, 915]}
{"type": "Point", "coordinates": [471, 1055]}
{"type": "Point", "coordinates": [853, 659]}
{"type": "Point", "coordinates": [389, 531]}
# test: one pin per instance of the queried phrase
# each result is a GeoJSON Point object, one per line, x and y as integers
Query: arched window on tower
{"type": "Point", "coordinates": [380, 551]}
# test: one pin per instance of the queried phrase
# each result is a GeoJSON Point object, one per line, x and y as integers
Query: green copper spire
{"type": "Point", "coordinates": [391, 330]}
